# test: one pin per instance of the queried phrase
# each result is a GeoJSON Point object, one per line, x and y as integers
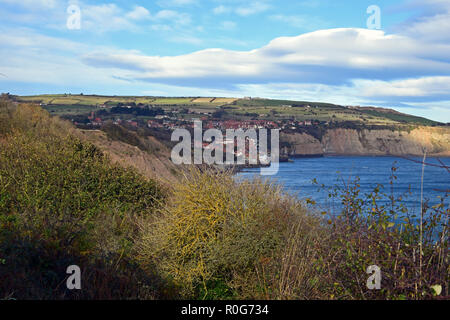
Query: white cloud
{"type": "Point", "coordinates": [428, 7]}
{"type": "Point", "coordinates": [311, 3]}
{"type": "Point", "coordinates": [430, 28]}
{"type": "Point", "coordinates": [160, 27]}
{"type": "Point", "coordinates": [308, 23]}
{"type": "Point", "coordinates": [48, 13]}
{"type": "Point", "coordinates": [295, 21]}
{"type": "Point", "coordinates": [431, 24]}
{"type": "Point", "coordinates": [109, 17]}
{"type": "Point", "coordinates": [174, 16]}
{"type": "Point", "coordinates": [252, 8]}
{"type": "Point", "coordinates": [176, 3]}
{"type": "Point", "coordinates": [33, 4]}
{"type": "Point", "coordinates": [326, 56]}
{"type": "Point", "coordinates": [228, 25]}
{"type": "Point", "coordinates": [243, 8]}
{"type": "Point", "coordinates": [105, 17]}
{"type": "Point", "coordinates": [43, 59]}
{"type": "Point", "coordinates": [185, 38]}
{"type": "Point", "coordinates": [221, 10]}
{"type": "Point", "coordinates": [98, 18]}
{"type": "Point", "coordinates": [436, 87]}
{"type": "Point", "coordinates": [26, 40]}
{"type": "Point", "coordinates": [138, 13]}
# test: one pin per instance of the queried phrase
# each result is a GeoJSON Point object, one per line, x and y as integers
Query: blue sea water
{"type": "Point", "coordinates": [297, 177]}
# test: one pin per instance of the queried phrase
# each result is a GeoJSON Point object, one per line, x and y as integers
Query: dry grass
{"type": "Point", "coordinates": [225, 100]}
{"type": "Point", "coordinates": [202, 100]}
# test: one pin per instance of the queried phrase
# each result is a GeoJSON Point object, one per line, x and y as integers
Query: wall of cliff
{"type": "Point", "coordinates": [436, 140]}
{"type": "Point", "coordinates": [155, 165]}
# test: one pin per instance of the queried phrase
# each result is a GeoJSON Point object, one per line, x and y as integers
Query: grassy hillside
{"type": "Point", "coordinates": [63, 202]}
{"type": "Point", "coordinates": [259, 108]}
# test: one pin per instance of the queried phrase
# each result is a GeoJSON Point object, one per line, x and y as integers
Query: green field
{"type": "Point", "coordinates": [61, 110]}
{"type": "Point", "coordinates": [67, 104]}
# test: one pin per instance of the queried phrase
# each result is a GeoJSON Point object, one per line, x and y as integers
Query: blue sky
{"type": "Point", "coordinates": [319, 50]}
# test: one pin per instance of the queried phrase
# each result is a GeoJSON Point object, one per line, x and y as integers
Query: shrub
{"type": "Point", "coordinates": [377, 229]}
{"type": "Point", "coordinates": [216, 230]}
{"type": "Point", "coordinates": [61, 201]}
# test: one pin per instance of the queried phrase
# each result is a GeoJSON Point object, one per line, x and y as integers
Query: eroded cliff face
{"type": "Point", "coordinates": [154, 165]}
{"type": "Point", "coordinates": [371, 142]}
{"type": "Point", "coordinates": [302, 144]}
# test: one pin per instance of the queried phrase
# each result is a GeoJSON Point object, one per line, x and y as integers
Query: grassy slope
{"type": "Point", "coordinates": [63, 202]}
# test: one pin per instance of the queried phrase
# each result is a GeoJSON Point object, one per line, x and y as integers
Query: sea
{"type": "Point", "coordinates": [298, 176]}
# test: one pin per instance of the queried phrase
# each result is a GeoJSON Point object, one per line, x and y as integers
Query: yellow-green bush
{"type": "Point", "coordinates": [216, 228]}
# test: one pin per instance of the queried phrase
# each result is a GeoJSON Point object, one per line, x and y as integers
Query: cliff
{"type": "Point", "coordinates": [436, 140]}
{"type": "Point", "coordinates": [154, 165]}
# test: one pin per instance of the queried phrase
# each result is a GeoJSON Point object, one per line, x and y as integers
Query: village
{"type": "Point", "coordinates": [172, 120]}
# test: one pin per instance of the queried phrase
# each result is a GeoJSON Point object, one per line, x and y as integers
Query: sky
{"type": "Point", "coordinates": [317, 50]}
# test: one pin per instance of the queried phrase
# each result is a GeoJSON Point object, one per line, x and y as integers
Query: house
{"type": "Point", "coordinates": [97, 122]}
{"type": "Point", "coordinates": [154, 124]}
{"type": "Point", "coordinates": [132, 123]}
